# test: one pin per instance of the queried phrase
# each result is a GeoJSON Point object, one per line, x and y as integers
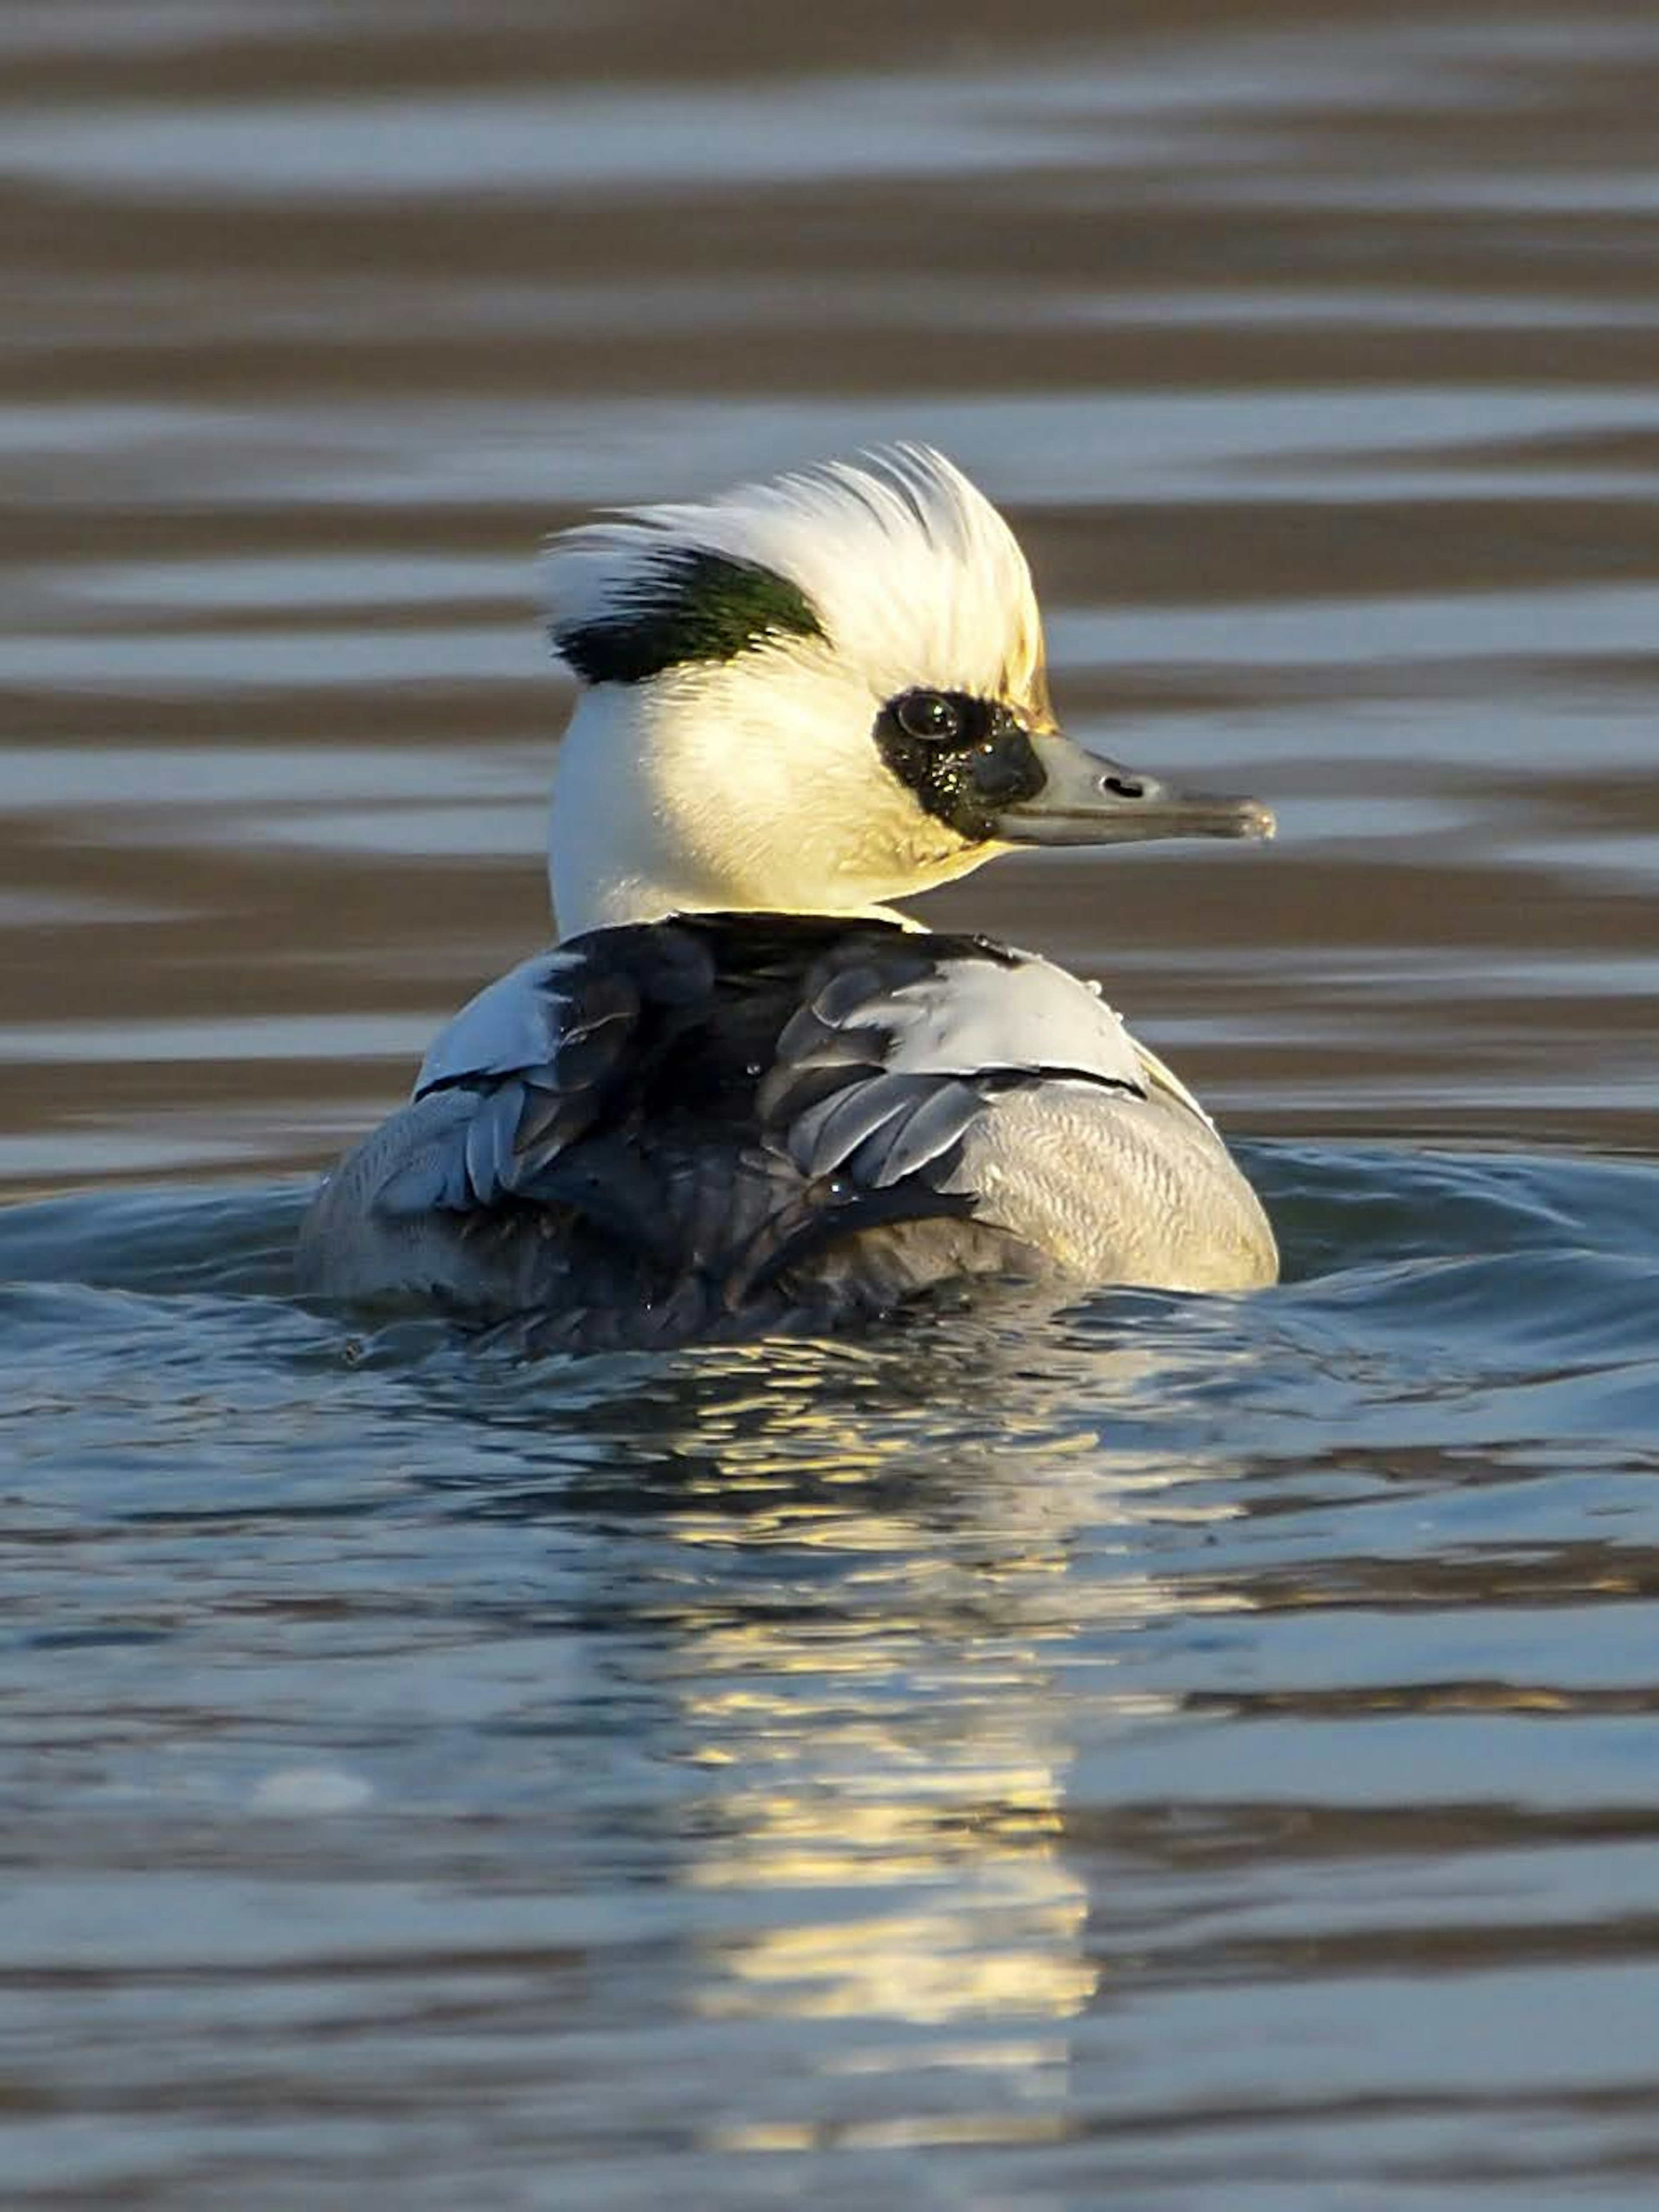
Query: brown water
{"type": "Point", "coordinates": [1195, 1756]}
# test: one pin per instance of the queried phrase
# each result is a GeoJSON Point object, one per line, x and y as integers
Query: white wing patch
{"type": "Point", "coordinates": [512, 1023]}
{"type": "Point", "coordinates": [880, 1081]}
{"type": "Point", "coordinates": [977, 1017]}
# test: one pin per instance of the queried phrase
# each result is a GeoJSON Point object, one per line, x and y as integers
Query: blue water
{"type": "Point", "coordinates": [1196, 1746]}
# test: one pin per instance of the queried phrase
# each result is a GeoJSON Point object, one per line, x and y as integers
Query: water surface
{"type": "Point", "coordinates": [1175, 1753]}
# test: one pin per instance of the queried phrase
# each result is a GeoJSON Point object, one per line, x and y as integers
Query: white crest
{"type": "Point", "coordinates": [914, 577]}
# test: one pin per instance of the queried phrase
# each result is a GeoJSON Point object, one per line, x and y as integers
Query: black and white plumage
{"type": "Point", "coordinates": [738, 1121]}
{"type": "Point", "coordinates": [703, 1115]}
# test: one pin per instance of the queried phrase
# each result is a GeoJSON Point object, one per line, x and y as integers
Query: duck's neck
{"type": "Point", "coordinates": [626, 843]}
{"type": "Point", "coordinates": [614, 854]}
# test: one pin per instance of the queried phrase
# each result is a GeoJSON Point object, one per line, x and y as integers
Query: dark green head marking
{"type": "Point", "coordinates": [686, 605]}
{"type": "Point", "coordinates": [964, 758]}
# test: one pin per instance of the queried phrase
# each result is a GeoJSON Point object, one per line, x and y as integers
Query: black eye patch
{"type": "Point", "coordinates": [966, 759]}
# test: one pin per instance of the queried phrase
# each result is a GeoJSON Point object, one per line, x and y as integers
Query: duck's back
{"type": "Point", "coordinates": [723, 1123]}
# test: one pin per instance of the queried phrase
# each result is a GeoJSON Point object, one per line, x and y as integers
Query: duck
{"type": "Point", "coordinates": [741, 1094]}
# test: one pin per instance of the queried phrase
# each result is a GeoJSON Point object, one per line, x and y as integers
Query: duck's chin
{"type": "Point", "coordinates": [944, 864]}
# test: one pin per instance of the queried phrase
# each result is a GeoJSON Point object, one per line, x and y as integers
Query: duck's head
{"type": "Point", "coordinates": [816, 694]}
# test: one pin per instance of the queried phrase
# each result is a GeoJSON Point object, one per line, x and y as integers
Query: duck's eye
{"type": "Point", "coordinates": [926, 714]}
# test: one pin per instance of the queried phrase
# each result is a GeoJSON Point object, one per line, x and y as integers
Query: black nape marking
{"type": "Point", "coordinates": [966, 759]}
{"type": "Point", "coordinates": [687, 604]}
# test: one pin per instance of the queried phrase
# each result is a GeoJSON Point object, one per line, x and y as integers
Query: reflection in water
{"type": "Point", "coordinates": [879, 1689]}
{"type": "Point", "coordinates": [949, 1739]}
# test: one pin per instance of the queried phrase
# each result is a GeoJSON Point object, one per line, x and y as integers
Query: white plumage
{"type": "Point", "coordinates": [916, 577]}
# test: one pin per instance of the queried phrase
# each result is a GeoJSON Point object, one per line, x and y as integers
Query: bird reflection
{"type": "Point", "coordinates": [865, 1591]}
{"type": "Point", "coordinates": [872, 1576]}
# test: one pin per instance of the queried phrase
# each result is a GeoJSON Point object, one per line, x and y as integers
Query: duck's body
{"type": "Point", "coordinates": [718, 1107]}
{"type": "Point", "coordinates": [742, 1121]}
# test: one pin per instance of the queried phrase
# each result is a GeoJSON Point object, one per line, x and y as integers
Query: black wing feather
{"type": "Point", "coordinates": [701, 1095]}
